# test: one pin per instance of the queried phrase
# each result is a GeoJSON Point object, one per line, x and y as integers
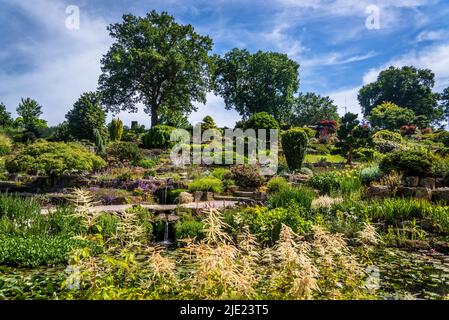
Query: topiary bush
{"type": "Point", "coordinates": [125, 152]}
{"type": "Point", "coordinates": [247, 176]}
{"type": "Point", "coordinates": [415, 162]}
{"type": "Point", "coordinates": [158, 137]}
{"type": "Point", "coordinates": [294, 146]}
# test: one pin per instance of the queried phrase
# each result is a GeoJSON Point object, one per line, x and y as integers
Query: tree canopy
{"type": "Point", "coordinates": [87, 114]}
{"type": "Point", "coordinates": [260, 82]}
{"type": "Point", "coordinates": [29, 111]}
{"type": "Point", "coordinates": [309, 108]}
{"type": "Point", "coordinates": [408, 87]}
{"type": "Point", "coordinates": [5, 116]}
{"type": "Point", "coordinates": [390, 116]}
{"type": "Point", "coordinates": [157, 62]}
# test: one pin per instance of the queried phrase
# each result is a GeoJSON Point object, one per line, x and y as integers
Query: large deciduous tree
{"type": "Point", "coordinates": [87, 114]}
{"type": "Point", "coordinates": [407, 87]}
{"type": "Point", "coordinates": [309, 108]}
{"type": "Point", "coordinates": [157, 62]}
{"type": "Point", "coordinates": [260, 82]}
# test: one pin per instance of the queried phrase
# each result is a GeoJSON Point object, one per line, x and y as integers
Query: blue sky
{"type": "Point", "coordinates": [42, 59]}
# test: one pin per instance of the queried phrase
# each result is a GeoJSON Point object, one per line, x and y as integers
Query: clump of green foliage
{"type": "Point", "coordinates": [206, 184]}
{"type": "Point", "coordinates": [53, 159]}
{"type": "Point", "coordinates": [414, 162]}
{"type": "Point", "coordinates": [325, 183]}
{"type": "Point", "coordinates": [189, 227]}
{"type": "Point", "coordinates": [387, 135]}
{"type": "Point", "coordinates": [371, 174]}
{"type": "Point", "coordinates": [261, 120]}
{"type": "Point", "coordinates": [294, 146]}
{"type": "Point", "coordinates": [276, 184]}
{"type": "Point", "coordinates": [266, 223]}
{"type": "Point", "coordinates": [287, 196]}
{"type": "Point", "coordinates": [158, 137]}
{"type": "Point", "coordinates": [125, 152]}
{"type": "Point", "coordinates": [146, 163]}
{"type": "Point", "coordinates": [35, 250]}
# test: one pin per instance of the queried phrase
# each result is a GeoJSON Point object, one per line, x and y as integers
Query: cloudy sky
{"type": "Point", "coordinates": [337, 43]}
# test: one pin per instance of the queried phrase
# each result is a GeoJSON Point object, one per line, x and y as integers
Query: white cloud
{"type": "Point", "coordinates": [346, 100]}
{"type": "Point", "coordinates": [431, 35]}
{"type": "Point", "coordinates": [66, 64]}
{"type": "Point", "coordinates": [215, 107]}
{"type": "Point", "coordinates": [435, 58]}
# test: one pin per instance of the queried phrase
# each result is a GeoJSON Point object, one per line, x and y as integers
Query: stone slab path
{"type": "Point", "coordinates": [218, 204]}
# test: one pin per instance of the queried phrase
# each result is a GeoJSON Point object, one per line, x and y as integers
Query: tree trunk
{"type": "Point", "coordinates": [349, 159]}
{"type": "Point", "coordinates": [153, 117]}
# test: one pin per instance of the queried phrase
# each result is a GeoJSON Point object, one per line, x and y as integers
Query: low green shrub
{"type": "Point", "coordinates": [414, 162]}
{"type": "Point", "coordinates": [53, 159]}
{"type": "Point", "coordinates": [371, 174]}
{"type": "Point", "coordinates": [276, 184]}
{"type": "Point", "coordinates": [187, 227]}
{"type": "Point", "coordinates": [287, 196]}
{"type": "Point", "coordinates": [206, 184]}
{"type": "Point", "coordinates": [325, 182]}
{"type": "Point", "coordinates": [442, 137]}
{"type": "Point", "coordinates": [146, 163]}
{"type": "Point", "coordinates": [106, 224]}
{"type": "Point", "coordinates": [387, 135]}
{"type": "Point", "coordinates": [364, 154]}
{"type": "Point", "coordinates": [221, 173]}
{"type": "Point", "coordinates": [125, 152]}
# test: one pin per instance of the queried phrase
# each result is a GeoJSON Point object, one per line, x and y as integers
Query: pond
{"type": "Point", "coordinates": [402, 274]}
{"type": "Point", "coordinates": [406, 275]}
